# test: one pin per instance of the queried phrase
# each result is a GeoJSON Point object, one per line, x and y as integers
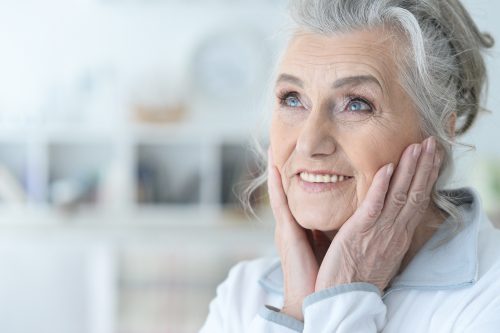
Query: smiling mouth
{"type": "Point", "coordinates": [322, 178]}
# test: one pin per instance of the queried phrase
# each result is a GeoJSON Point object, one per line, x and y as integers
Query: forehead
{"type": "Point", "coordinates": [364, 52]}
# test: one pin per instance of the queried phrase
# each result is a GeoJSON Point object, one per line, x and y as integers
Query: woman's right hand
{"type": "Point", "coordinates": [299, 261]}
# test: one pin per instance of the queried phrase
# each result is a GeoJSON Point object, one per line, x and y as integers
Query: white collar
{"type": "Point", "coordinates": [451, 265]}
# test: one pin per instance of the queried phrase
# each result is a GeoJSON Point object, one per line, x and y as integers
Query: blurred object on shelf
{"type": "Point", "coordinates": [228, 65]}
{"type": "Point", "coordinates": [146, 177]}
{"type": "Point", "coordinates": [239, 168]}
{"type": "Point", "coordinates": [11, 192]}
{"type": "Point", "coordinates": [13, 177]}
{"type": "Point", "coordinates": [67, 195]}
{"type": "Point", "coordinates": [168, 174]}
{"type": "Point", "coordinates": [486, 179]}
{"type": "Point", "coordinates": [159, 114]}
{"type": "Point", "coordinates": [75, 170]}
{"type": "Point", "coordinates": [158, 97]}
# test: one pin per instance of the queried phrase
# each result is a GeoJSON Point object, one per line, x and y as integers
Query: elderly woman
{"type": "Point", "coordinates": [369, 98]}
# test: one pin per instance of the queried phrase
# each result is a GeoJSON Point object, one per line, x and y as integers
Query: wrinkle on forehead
{"type": "Point", "coordinates": [363, 51]}
{"type": "Point", "coordinates": [375, 39]}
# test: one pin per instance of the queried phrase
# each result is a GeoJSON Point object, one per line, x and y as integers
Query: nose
{"type": "Point", "coordinates": [316, 137]}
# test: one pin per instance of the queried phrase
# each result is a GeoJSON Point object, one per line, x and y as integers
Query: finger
{"type": "Point", "coordinates": [373, 203]}
{"type": "Point", "coordinates": [438, 157]}
{"type": "Point", "coordinates": [400, 184]}
{"type": "Point", "coordinates": [418, 195]}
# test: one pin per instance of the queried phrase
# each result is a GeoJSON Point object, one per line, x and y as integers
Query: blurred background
{"type": "Point", "coordinates": [125, 128]}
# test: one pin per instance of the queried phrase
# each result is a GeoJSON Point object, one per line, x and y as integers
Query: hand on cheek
{"type": "Point", "coordinates": [381, 229]}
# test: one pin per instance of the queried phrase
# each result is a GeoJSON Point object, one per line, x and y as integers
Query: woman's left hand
{"type": "Point", "coordinates": [371, 245]}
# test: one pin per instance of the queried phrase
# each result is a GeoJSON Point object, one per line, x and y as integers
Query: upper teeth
{"type": "Point", "coordinates": [311, 178]}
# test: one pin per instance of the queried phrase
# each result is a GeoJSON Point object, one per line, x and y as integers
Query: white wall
{"type": "Point", "coordinates": [485, 133]}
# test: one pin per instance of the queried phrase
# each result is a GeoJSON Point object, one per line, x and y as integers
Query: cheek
{"type": "Point", "coordinates": [387, 147]}
{"type": "Point", "coordinates": [367, 163]}
{"type": "Point", "coordinates": [283, 139]}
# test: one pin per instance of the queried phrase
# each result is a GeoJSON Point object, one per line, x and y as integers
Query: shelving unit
{"type": "Point", "coordinates": [151, 174]}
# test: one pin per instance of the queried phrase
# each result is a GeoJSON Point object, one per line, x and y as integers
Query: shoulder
{"type": "Point", "coordinates": [242, 294]}
{"type": "Point", "coordinates": [480, 229]}
{"type": "Point", "coordinates": [488, 243]}
{"type": "Point", "coordinates": [481, 302]}
{"type": "Point", "coordinates": [486, 289]}
{"type": "Point", "coordinates": [250, 273]}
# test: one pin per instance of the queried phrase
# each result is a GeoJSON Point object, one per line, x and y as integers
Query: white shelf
{"type": "Point", "coordinates": [125, 146]}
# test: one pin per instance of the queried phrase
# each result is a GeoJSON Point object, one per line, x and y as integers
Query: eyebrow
{"type": "Point", "coordinates": [356, 81]}
{"type": "Point", "coordinates": [290, 79]}
{"type": "Point", "coordinates": [345, 81]}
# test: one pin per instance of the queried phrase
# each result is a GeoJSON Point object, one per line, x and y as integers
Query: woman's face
{"type": "Point", "coordinates": [339, 111]}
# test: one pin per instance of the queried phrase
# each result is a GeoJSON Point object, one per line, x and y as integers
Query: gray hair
{"type": "Point", "coordinates": [441, 69]}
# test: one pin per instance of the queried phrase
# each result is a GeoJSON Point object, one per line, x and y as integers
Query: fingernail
{"type": "Point", "coordinates": [389, 170]}
{"type": "Point", "coordinates": [431, 144]}
{"type": "Point", "coordinates": [416, 150]}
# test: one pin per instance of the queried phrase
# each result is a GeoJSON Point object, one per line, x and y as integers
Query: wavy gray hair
{"type": "Point", "coordinates": [441, 69]}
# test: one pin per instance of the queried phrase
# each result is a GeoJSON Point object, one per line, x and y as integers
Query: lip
{"type": "Point", "coordinates": [321, 187]}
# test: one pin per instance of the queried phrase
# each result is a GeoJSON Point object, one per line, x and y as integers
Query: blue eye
{"type": "Point", "coordinates": [358, 105]}
{"type": "Point", "coordinates": [291, 100]}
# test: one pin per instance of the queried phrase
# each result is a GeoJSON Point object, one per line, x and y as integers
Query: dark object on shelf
{"type": "Point", "coordinates": [168, 174]}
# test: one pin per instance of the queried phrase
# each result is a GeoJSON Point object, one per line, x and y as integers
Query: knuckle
{"type": "Point", "coordinates": [374, 210]}
{"type": "Point", "coordinates": [424, 205]}
{"type": "Point", "coordinates": [417, 198]}
{"type": "Point", "coordinates": [399, 199]}
{"type": "Point", "coordinates": [428, 167]}
{"type": "Point", "coordinates": [386, 226]}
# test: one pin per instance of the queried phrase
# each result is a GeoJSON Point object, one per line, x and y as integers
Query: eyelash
{"type": "Point", "coordinates": [283, 96]}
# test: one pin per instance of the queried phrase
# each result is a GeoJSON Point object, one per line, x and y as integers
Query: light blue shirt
{"type": "Point", "coordinates": [451, 285]}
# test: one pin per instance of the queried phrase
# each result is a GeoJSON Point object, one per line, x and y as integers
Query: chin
{"type": "Point", "coordinates": [318, 218]}
{"type": "Point", "coordinates": [326, 211]}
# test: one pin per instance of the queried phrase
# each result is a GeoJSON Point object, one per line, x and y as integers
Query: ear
{"type": "Point", "coordinates": [451, 125]}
